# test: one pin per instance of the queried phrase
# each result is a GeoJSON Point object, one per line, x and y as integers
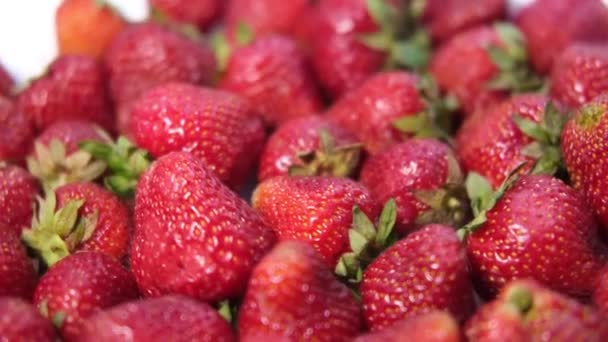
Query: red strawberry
{"type": "Point", "coordinates": [584, 144]}
{"type": "Point", "coordinates": [201, 13]}
{"type": "Point", "coordinates": [435, 326]}
{"type": "Point", "coordinates": [265, 17]}
{"type": "Point", "coordinates": [20, 321]}
{"type": "Point", "coordinates": [6, 82]}
{"type": "Point", "coordinates": [171, 318]}
{"type": "Point", "coordinates": [333, 150]}
{"type": "Point", "coordinates": [539, 228]}
{"type": "Point", "coordinates": [293, 296]}
{"type": "Point", "coordinates": [193, 236]}
{"type": "Point", "coordinates": [18, 190]}
{"type": "Point", "coordinates": [550, 26]}
{"type": "Point", "coordinates": [16, 132]}
{"type": "Point", "coordinates": [425, 271]}
{"type": "Point", "coordinates": [17, 275]}
{"type": "Point", "coordinates": [86, 27]}
{"type": "Point", "coordinates": [81, 285]}
{"type": "Point", "coordinates": [272, 74]}
{"type": "Point", "coordinates": [600, 295]}
{"type": "Point", "coordinates": [423, 176]}
{"type": "Point", "coordinates": [318, 210]}
{"type": "Point", "coordinates": [215, 126]}
{"type": "Point", "coordinates": [526, 311]}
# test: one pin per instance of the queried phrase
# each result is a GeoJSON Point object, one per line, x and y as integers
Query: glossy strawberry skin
{"type": "Point", "coordinates": [265, 17]}
{"type": "Point", "coordinates": [427, 270]}
{"type": "Point", "coordinates": [434, 326]}
{"type": "Point", "coordinates": [193, 236]}
{"type": "Point", "coordinates": [490, 143]}
{"type": "Point", "coordinates": [600, 295]}
{"type": "Point", "coordinates": [17, 276]}
{"type": "Point", "coordinates": [273, 75]}
{"type": "Point", "coordinates": [540, 229]}
{"type": "Point", "coordinates": [18, 190]}
{"type": "Point", "coordinates": [296, 136]}
{"type": "Point", "coordinates": [580, 75]}
{"type": "Point", "coordinates": [170, 318]}
{"type": "Point", "coordinates": [20, 321]}
{"type": "Point", "coordinates": [200, 13]}
{"type": "Point", "coordinates": [16, 132]}
{"type": "Point", "coordinates": [73, 88]}
{"type": "Point", "coordinates": [292, 295]}
{"type": "Point", "coordinates": [315, 209]}
{"type": "Point", "coordinates": [370, 111]}
{"type": "Point", "coordinates": [70, 133]}
{"type": "Point", "coordinates": [6, 82]}
{"type": "Point", "coordinates": [82, 284]}
{"type": "Point", "coordinates": [216, 126]}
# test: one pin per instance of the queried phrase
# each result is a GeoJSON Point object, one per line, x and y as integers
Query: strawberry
{"type": "Point", "coordinates": [526, 311]}
{"type": "Point", "coordinates": [427, 270]}
{"type": "Point", "coordinates": [293, 296]}
{"type": "Point", "coordinates": [81, 285]}
{"type": "Point", "coordinates": [272, 73]}
{"type": "Point", "coordinates": [577, 76]}
{"type": "Point", "coordinates": [310, 145]}
{"type": "Point", "coordinates": [534, 227]}
{"type": "Point", "coordinates": [79, 216]}
{"type": "Point", "coordinates": [215, 126]}
{"type": "Point", "coordinates": [6, 82]}
{"type": "Point", "coordinates": [424, 178]}
{"type": "Point", "coordinates": [200, 13]}
{"type": "Point", "coordinates": [18, 190]}
{"type": "Point", "coordinates": [434, 326]}
{"type": "Point", "coordinates": [72, 88]}
{"type": "Point", "coordinates": [550, 26]}
{"type": "Point", "coordinates": [600, 294]}
{"type": "Point", "coordinates": [17, 275]}
{"type": "Point", "coordinates": [20, 321]}
{"type": "Point", "coordinates": [16, 132]}
{"type": "Point", "coordinates": [86, 27]}
{"type": "Point", "coordinates": [583, 145]}
{"type": "Point", "coordinates": [318, 210]}
{"type": "Point", "coordinates": [193, 236]}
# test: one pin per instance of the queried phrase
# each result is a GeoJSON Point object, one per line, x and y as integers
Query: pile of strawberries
{"type": "Point", "coordinates": [295, 170]}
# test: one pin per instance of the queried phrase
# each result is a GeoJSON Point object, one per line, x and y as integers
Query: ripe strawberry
{"type": "Point", "coordinates": [265, 17]}
{"type": "Point", "coordinates": [600, 295]}
{"type": "Point", "coordinates": [201, 13]}
{"type": "Point", "coordinates": [215, 126]}
{"type": "Point", "coordinates": [17, 276]}
{"type": "Point", "coordinates": [584, 145]}
{"type": "Point", "coordinates": [20, 321]}
{"type": "Point", "coordinates": [16, 132]}
{"type": "Point", "coordinates": [6, 82]}
{"type": "Point", "coordinates": [193, 236]}
{"type": "Point", "coordinates": [538, 228]}
{"type": "Point", "coordinates": [170, 318]}
{"type": "Point", "coordinates": [317, 210]}
{"type": "Point", "coordinates": [526, 311]}
{"type": "Point", "coordinates": [81, 285]}
{"type": "Point", "coordinates": [423, 176]}
{"type": "Point", "coordinates": [550, 26]}
{"type": "Point", "coordinates": [292, 295]}
{"type": "Point", "coordinates": [79, 216]}
{"type": "Point", "coordinates": [73, 88]}
{"type": "Point", "coordinates": [272, 74]}
{"type": "Point", "coordinates": [427, 270]}
{"type": "Point", "coordinates": [312, 145]}
{"type": "Point", "coordinates": [435, 326]}
{"type": "Point", "coordinates": [86, 27]}
{"type": "Point", "coordinates": [18, 190]}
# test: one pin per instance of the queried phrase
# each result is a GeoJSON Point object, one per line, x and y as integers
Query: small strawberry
{"type": "Point", "coordinates": [73, 88]}
{"type": "Point", "coordinates": [86, 27]}
{"type": "Point", "coordinates": [81, 285]}
{"type": "Point", "coordinates": [201, 13]}
{"type": "Point", "coordinates": [20, 321]}
{"type": "Point", "coordinates": [311, 145]}
{"type": "Point", "coordinates": [293, 296]}
{"type": "Point", "coordinates": [16, 132]}
{"type": "Point", "coordinates": [435, 326]}
{"type": "Point", "coordinates": [6, 82]}
{"type": "Point", "coordinates": [17, 275]}
{"type": "Point", "coordinates": [550, 26]}
{"type": "Point", "coordinates": [427, 270]}
{"type": "Point", "coordinates": [600, 295]}
{"type": "Point", "coordinates": [526, 311]}
{"type": "Point", "coordinates": [193, 236]}
{"type": "Point", "coordinates": [18, 190]}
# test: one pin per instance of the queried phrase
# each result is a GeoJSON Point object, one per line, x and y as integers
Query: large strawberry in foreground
{"type": "Point", "coordinates": [20, 321]}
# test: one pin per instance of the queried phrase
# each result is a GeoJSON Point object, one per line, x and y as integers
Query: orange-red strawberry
{"type": "Point", "coordinates": [86, 27]}
{"type": "Point", "coordinates": [200, 13]}
{"type": "Point", "coordinates": [600, 294]}
{"type": "Point", "coordinates": [6, 82]}
{"type": "Point", "coordinates": [17, 275]}
{"type": "Point", "coordinates": [18, 190]}
{"type": "Point", "coordinates": [20, 321]}
{"type": "Point", "coordinates": [293, 296]}
{"type": "Point", "coordinates": [81, 285]}
{"type": "Point", "coordinates": [425, 271]}
{"type": "Point", "coordinates": [434, 326]}
{"type": "Point", "coordinates": [16, 132]}
{"type": "Point", "coordinates": [193, 236]}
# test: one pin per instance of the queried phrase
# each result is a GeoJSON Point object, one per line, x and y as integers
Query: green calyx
{"type": "Point", "coordinates": [58, 318]}
{"type": "Point", "coordinates": [367, 241]}
{"type": "Point", "coordinates": [512, 61]}
{"type": "Point", "coordinates": [188, 30]}
{"type": "Point", "coordinates": [54, 168]}
{"type": "Point", "coordinates": [223, 50]}
{"type": "Point", "coordinates": [591, 114]}
{"type": "Point", "coordinates": [55, 234]}
{"type": "Point", "coordinates": [328, 160]}
{"type": "Point", "coordinates": [125, 162]}
{"type": "Point", "coordinates": [521, 298]}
